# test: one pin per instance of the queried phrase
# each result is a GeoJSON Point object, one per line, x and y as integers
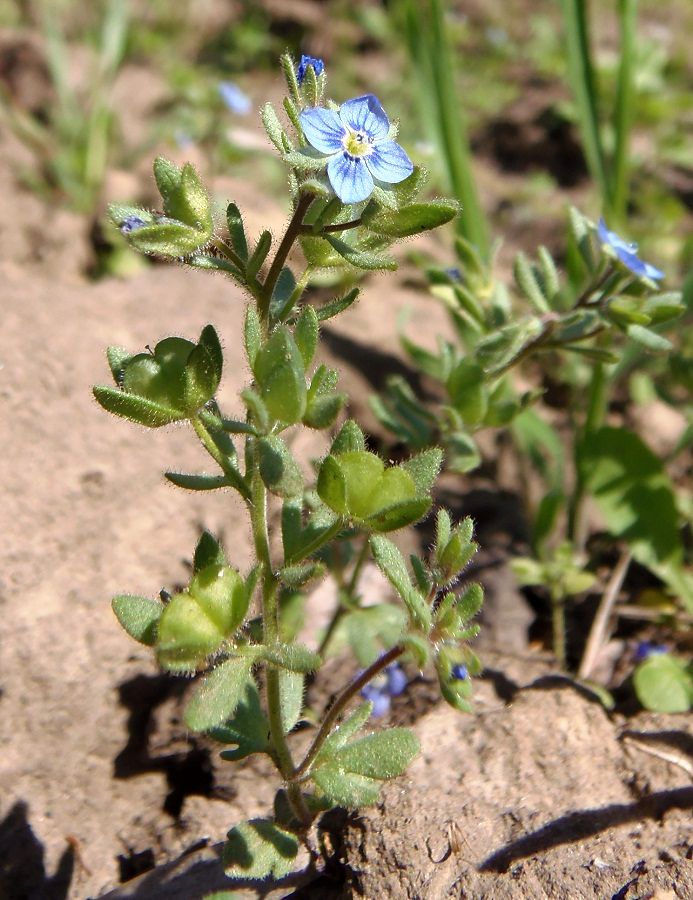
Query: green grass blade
{"type": "Point", "coordinates": [432, 57]}
{"type": "Point", "coordinates": [625, 105]}
{"type": "Point", "coordinates": [584, 87]}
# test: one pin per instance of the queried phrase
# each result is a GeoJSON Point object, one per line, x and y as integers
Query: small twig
{"type": "Point", "coordinates": [630, 611]}
{"type": "Point", "coordinates": [672, 758]}
{"type": "Point", "coordinates": [597, 635]}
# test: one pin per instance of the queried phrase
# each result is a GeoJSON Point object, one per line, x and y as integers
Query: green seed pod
{"type": "Point", "coordinates": [187, 635]}
{"type": "Point", "coordinates": [220, 591]}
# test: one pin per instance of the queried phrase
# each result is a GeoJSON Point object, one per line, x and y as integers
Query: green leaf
{"type": "Point", "coordinates": [399, 515]}
{"type": "Point", "coordinates": [424, 468]}
{"type": "Point", "coordinates": [322, 411]}
{"type": "Point", "coordinates": [361, 259]}
{"type": "Point", "coordinates": [257, 409]}
{"type": "Point", "coordinates": [664, 684]}
{"type": "Point", "coordinates": [167, 238]}
{"type": "Point", "coordinates": [469, 602]}
{"type": "Point", "coordinates": [272, 126]}
{"type": "Point", "coordinates": [306, 334]}
{"type": "Point", "coordinates": [346, 730]}
{"type": "Point", "coordinates": [136, 409]}
{"type": "Point", "coordinates": [293, 657]}
{"type": "Point", "coordinates": [282, 295]}
{"type": "Point", "coordinates": [117, 358]}
{"type": "Point", "coordinates": [462, 452]}
{"type": "Point", "coordinates": [284, 394]}
{"type": "Point", "coordinates": [419, 649]}
{"type": "Point", "coordinates": [371, 629]}
{"type": "Point", "coordinates": [248, 729]}
{"type": "Point", "coordinates": [466, 389]}
{"type": "Point", "coordinates": [349, 438]}
{"type": "Point", "coordinates": [329, 310]}
{"type": "Point", "coordinates": [208, 552]}
{"type": "Point", "coordinates": [529, 284]}
{"type": "Point", "coordinates": [657, 343]}
{"type": "Point", "coordinates": [234, 221]}
{"type": "Point", "coordinates": [297, 576]}
{"type": "Point", "coordinates": [252, 334]}
{"type": "Point", "coordinates": [278, 468]}
{"type": "Point", "coordinates": [412, 219]}
{"type": "Point", "coordinates": [218, 695]}
{"type": "Point", "coordinates": [259, 849]}
{"type": "Point", "coordinates": [391, 563]}
{"type": "Point", "coordinates": [192, 482]}
{"type": "Point", "coordinates": [383, 755]}
{"type": "Point", "coordinates": [306, 159]}
{"type": "Point", "coordinates": [139, 616]}
{"type": "Point", "coordinates": [291, 692]}
{"type": "Point", "coordinates": [203, 369]}
{"type": "Point", "coordinates": [258, 256]}
{"type": "Point", "coordinates": [633, 493]}
{"type": "Point", "coordinates": [344, 788]}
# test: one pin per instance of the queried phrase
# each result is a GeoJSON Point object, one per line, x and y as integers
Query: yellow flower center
{"type": "Point", "coordinates": [357, 144]}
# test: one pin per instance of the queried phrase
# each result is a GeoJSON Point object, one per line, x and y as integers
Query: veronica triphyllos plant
{"type": "Point", "coordinates": [229, 628]}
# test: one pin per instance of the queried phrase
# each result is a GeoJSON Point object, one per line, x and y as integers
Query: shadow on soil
{"type": "Point", "coordinates": [580, 825]}
{"type": "Point", "coordinates": [22, 870]}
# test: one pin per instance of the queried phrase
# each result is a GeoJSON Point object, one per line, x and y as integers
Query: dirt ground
{"type": "Point", "coordinates": [542, 794]}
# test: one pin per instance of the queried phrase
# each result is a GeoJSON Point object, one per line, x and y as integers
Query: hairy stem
{"type": "Point", "coordinates": [293, 229]}
{"type": "Point", "coordinates": [342, 702]}
{"type": "Point", "coordinates": [270, 625]}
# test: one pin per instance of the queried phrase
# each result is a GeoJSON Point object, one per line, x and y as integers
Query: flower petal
{"type": "Point", "coordinates": [323, 129]}
{"type": "Point", "coordinates": [365, 114]}
{"type": "Point", "coordinates": [350, 178]}
{"type": "Point", "coordinates": [389, 163]}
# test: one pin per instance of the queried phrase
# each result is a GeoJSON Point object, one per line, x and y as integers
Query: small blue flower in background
{"type": "Point", "coordinates": [132, 223]}
{"type": "Point", "coordinates": [234, 98]}
{"type": "Point", "coordinates": [460, 672]}
{"type": "Point", "coordinates": [356, 137]}
{"type": "Point", "coordinates": [627, 253]}
{"type": "Point", "coordinates": [645, 649]}
{"type": "Point", "coordinates": [388, 684]}
{"type": "Point", "coordinates": [317, 64]}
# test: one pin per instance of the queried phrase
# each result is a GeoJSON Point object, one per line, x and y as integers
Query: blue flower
{"type": "Point", "coordinates": [383, 687]}
{"type": "Point", "coordinates": [317, 64]}
{"type": "Point", "coordinates": [460, 672]}
{"type": "Point", "coordinates": [131, 223]}
{"type": "Point", "coordinates": [627, 253]}
{"type": "Point", "coordinates": [645, 649]}
{"type": "Point", "coordinates": [356, 139]}
{"type": "Point", "coordinates": [234, 98]}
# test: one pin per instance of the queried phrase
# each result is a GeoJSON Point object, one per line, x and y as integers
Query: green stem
{"type": "Point", "coordinates": [234, 477]}
{"type": "Point", "coordinates": [270, 626]}
{"type": "Point", "coordinates": [332, 229]}
{"type": "Point", "coordinates": [293, 229]}
{"type": "Point", "coordinates": [341, 703]}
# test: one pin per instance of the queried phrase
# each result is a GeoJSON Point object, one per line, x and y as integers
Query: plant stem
{"type": "Point", "coordinates": [341, 703]}
{"type": "Point", "coordinates": [234, 477]}
{"type": "Point", "coordinates": [600, 623]}
{"type": "Point", "coordinates": [331, 229]}
{"type": "Point", "coordinates": [270, 626]}
{"type": "Point", "coordinates": [293, 229]}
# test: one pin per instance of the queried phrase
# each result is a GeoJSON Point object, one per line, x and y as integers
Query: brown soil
{"type": "Point", "coordinates": [537, 796]}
